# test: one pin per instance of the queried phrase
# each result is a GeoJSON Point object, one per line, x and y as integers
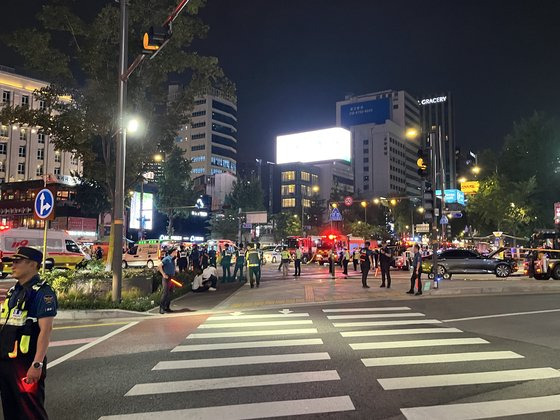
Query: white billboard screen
{"type": "Point", "coordinates": [147, 210]}
{"type": "Point", "coordinates": [314, 146]}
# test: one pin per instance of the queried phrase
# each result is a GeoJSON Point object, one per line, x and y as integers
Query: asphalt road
{"type": "Point", "coordinates": [421, 362]}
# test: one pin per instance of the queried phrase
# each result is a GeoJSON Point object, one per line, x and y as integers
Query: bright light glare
{"type": "Point", "coordinates": [421, 210]}
{"type": "Point", "coordinates": [315, 188]}
{"type": "Point", "coordinates": [411, 133]}
{"type": "Point", "coordinates": [462, 179]}
{"type": "Point", "coordinates": [314, 146]}
{"type": "Point", "coordinates": [376, 201]}
{"type": "Point", "coordinates": [158, 157]}
{"type": "Point", "coordinates": [364, 204]}
{"type": "Point", "coordinates": [133, 125]}
{"type": "Point", "coordinates": [475, 170]}
{"type": "Point", "coordinates": [393, 202]}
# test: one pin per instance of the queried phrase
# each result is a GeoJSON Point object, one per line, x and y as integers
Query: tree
{"type": "Point", "coordinates": [91, 197]}
{"type": "Point", "coordinates": [286, 224]}
{"type": "Point", "coordinates": [316, 212]}
{"type": "Point", "coordinates": [224, 226]}
{"type": "Point", "coordinates": [175, 190]}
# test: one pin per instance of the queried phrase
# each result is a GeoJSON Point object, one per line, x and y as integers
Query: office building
{"type": "Point", "coordinates": [438, 111]}
{"type": "Point", "coordinates": [209, 140]}
{"type": "Point", "coordinates": [299, 186]}
{"type": "Point", "coordinates": [383, 157]}
{"type": "Point", "coordinates": [27, 153]}
{"type": "Point", "coordinates": [216, 186]}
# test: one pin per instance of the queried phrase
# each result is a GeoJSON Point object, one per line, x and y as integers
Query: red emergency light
{"type": "Point", "coordinates": [4, 227]}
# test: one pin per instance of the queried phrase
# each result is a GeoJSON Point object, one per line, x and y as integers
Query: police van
{"type": "Point", "coordinates": [62, 250]}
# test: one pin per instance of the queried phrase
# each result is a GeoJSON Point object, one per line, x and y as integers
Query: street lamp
{"type": "Point", "coordinates": [475, 170]}
{"type": "Point", "coordinates": [462, 180]}
{"type": "Point", "coordinates": [315, 188]}
{"type": "Point", "coordinates": [133, 125]}
{"type": "Point", "coordinates": [364, 205]}
{"type": "Point", "coordinates": [411, 133]}
{"type": "Point", "coordinates": [421, 210]}
{"type": "Point", "coordinates": [376, 201]}
{"type": "Point", "coordinates": [393, 202]}
{"type": "Point", "coordinates": [158, 157]}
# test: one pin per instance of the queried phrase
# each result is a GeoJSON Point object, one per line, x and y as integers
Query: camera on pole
{"type": "Point", "coordinates": [155, 39]}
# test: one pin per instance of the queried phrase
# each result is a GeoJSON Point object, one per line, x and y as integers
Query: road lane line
{"type": "Point", "coordinates": [255, 324]}
{"type": "Point", "coordinates": [90, 325]}
{"type": "Point", "coordinates": [546, 311]}
{"type": "Point", "coordinates": [440, 358]}
{"type": "Point", "coordinates": [295, 331]}
{"type": "Point", "coordinates": [62, 343]}
{"type": "Point", "coordinates": [384, 323]}
{"type": "Point", "coordinates": [402, 331]}
{"type": "Point", "coordinates": [365, 316]}
{"type": "Point", "coordinates": [498, 376]}
{"type": "Point", "coordinates": [89, 345]}
{"type": "Point", "coordinates": [392, 308]}
{"type": "Point", "coordinates": [249, 411]}
{"type": "Point", "coordinates": [485, 409]}
{"type": "Point", "coordinates": [262, 316]}
{"type": "Point", "coordinates": [240, 361]}
{"type": "Point", "coordinates": [417, 343]}
{"type": "Point", "coordinates": [249, 345]}
{"type": "Point", "coordinates": [232, 382]}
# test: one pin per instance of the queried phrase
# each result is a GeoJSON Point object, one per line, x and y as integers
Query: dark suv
{"type": "Point", "coordinates": [464, 261]}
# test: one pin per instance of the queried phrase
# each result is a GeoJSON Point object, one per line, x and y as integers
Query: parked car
{"type": "Point", "coordinates": [271, 254]}
{"type": "Point", "coordinates": [464, 261]}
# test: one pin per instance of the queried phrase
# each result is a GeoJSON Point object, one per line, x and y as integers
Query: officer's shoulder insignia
{"type": "Point", "coordinates": [48, 299]}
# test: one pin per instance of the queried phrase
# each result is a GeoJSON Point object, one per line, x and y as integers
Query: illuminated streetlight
{"type": "Point", "coordinates": [421, 210]}
{"type": "Point", "coordinates": [475, 170]}
{"type": "Point", "coordinates": [376, 201]}
{"type": "Point", "coordinates": [462, 179]}
{"type": "Point", "coordinates": [411, 133]}
{"type": "Point", "coordinates": [315, 188]}
{"type": "Point", "coordinates": [393, 202]}
{"type": "Point", "coordinates": [133, 125]}
{"type": "Point", "coordinates": [364, 204]}
{"type": "Point", "coordinates": [158, 157]}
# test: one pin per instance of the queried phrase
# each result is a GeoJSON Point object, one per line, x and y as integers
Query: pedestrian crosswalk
{"type": "Point", "coordinates": [279, 351]}
{"type": "Point", "coordinates": [480, 365]}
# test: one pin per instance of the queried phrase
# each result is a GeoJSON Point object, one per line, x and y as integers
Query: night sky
{"type": "Point", "coordinates": [292, 60]}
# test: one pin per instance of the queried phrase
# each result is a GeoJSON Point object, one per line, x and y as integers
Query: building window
{"type": "Point", "coordinates": [214, 171]}
{"type": "Point", "coordinates": [305, 176]}
{"type": "Point", "coordinates": [2, 148]}
{"type": "Point", "coordinates": [366, 187]}
{"type": "Point", "coordinates": [306, 202]}
{"type": "Point", "coordinates": [315, 179]}
{"type": "Point", "coordinates": [41, 138]}
{"type": "Point", "coordinates": [288, 189]}
{"type": "Point", "coordinates": [57, 170]}
{"type": "Point", "coordinates": [197, 170]}
{"type": "Point", "coordinates": [39, 171]}
{"type": "Point", "coordinates": [288, 176]}
{"type": "Point", "coordinates": [23, 134]}
{"type": "Point", "coordinates": [200, 158]}
{"type": "Point", "coordinates": [40, 154]}
{"type": "Point", "coordinates": [198, 136]}
{"type": "Point", "coordinates": [25, 100]}
{"type": "Point", "coordinates": [199, 124]}
{"type": "Point", "coordinates": [366, 151]}
{"type": "Point", "coordinates": [200, 101]}
{"type": "Point", "coordinates": [288, 202]}
{"type": "Point", "coordinates": [21, 152]}
{"type": "Point", "coordinates": [42, 105]}
{"type": "Point", "coordinates": [198, 113]}
{"type": "Point", "coordinates": [4, 131]}
{"type": "Point", "coordinates": [366, 142]}
{"type": "Point", "coordinates": [57, 157]}
{"type": "Point", "coordinates": [366, 168]}
{"type": "Point", "coordinates": [6, 96]}
{"type": "Point", "coordinates": [73, 159]}
{"type": "Point", "coordinates": [366, 160]}
{"type": "Point", "coordinates": [2, 166]}
{"type": "Point", "coordinates": [21, 168]}
{"type": "Point", "coordinates": [199, 147]}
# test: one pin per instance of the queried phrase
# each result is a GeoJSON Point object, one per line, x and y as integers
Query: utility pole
{"type": "Point", "coordinates": [442, 180]}
{"type": "Point", "coordinates": [118, 205]}
{"type": "Point", "coordinates": [433, 178]}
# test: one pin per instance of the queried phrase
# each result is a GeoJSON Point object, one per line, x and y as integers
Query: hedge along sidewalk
{"type": "Point", "coordinates": [90, 289]}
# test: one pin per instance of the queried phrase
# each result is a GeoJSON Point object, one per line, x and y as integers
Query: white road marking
{"type": "Point", "coordinates": [393, 308]}
{"type": "Point", "coordinates": [365, 316]}
{"type": "Point", "coordinates": [440, 358]}
{"type": "Point", "coordinates": [249, 411]}
{"type": "Point", "coordinates": [250, 345]}
{"type": "Point", "coordinates": [262, 316]}
{"type": "Point", "coordinates": [485, 409]}
{"type": "Point", "coordinates": [295, 331]}
{"type": "Point", "coordinates": [232, 382]}
{"type": "Point", "coordinates": [239, 361]}
{"type": "Point", "coordinates": [72, 342]}
{"type": "Point", "coordinates": [402, 331]}
{"type": "Point", "coordinates": [255, 324]}
{"type": "Point", "coordinates": [417, 343]}
{"type": "Point", "coordinates": [546, 311]}
{"type": "Point", "coordinates": [498, 376]}
{"type": "Point", "coordinates": [383, 323]}
{"type": "Point", "coordinates": [89, 345]}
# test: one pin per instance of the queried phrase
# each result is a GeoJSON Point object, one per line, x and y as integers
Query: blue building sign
{"type": "Point", "coordinates": [453, 196]}
{"type": "Point", "coordinates": [368, 112]}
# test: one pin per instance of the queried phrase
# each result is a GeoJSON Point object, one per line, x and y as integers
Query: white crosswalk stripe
{"type": "Point", "coordinates": [255, 324]}
{"type": "Point", "coordinates": [391, 308]}
{"type": "Point", "coordinates": [233, 382]}
{"type": "Point", "coordinates": [385, 323]}
{"type": "Point", "coordinates": [250, 411]}
{"type": "Point", "coordinates": [249, 345]}
{"type": "Point", "coordinates": [402, 331]}
{"type": "Point", "coordinates": [440, 358]}
{"type": "Point", "coordinates": [366, 316]}
{"type": "Point", "coordinates": [417, 343]}
{"type": "Point", "coordinates": [475, 378]}
{"type": "Point", "coordinates": [261, 333]}
{"type": "Point", "coordinates": [486, 409]}
{"type": "Point", "coordinates": [261, 316]}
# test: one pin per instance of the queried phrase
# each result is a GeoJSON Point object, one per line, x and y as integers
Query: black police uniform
{"type": "Point", "coordinates": [21, 311]}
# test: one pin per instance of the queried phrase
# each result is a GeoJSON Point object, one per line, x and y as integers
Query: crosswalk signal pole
{"type": "Point", "coordinates": [433, 152]}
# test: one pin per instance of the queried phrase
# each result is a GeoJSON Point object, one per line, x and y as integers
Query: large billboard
{"type": "Point", "coordinates": [314, 146]}
{"type": "Point", "coordinates": [367, 112]}
{"type": "Point", "coordinates": [147, 210]}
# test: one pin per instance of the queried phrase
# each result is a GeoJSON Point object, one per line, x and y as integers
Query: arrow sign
{"type": "Point", "coordinates": [285, 311]}
{"type": "Point", "coordinates": [44, 204]}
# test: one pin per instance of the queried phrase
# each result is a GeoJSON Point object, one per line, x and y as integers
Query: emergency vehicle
{"type": "Point", "coordinates": [544, 254]}
{"type": "Point", "coordinates": [145, 253]}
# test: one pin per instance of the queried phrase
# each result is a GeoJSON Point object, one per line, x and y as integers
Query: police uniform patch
{"type": "Point", "coordinates": [48, 299]}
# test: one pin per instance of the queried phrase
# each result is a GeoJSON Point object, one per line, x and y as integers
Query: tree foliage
{"type": "Point", "coordinates": [286, 224]}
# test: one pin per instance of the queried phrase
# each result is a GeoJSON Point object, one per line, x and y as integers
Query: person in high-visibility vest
{"type": "Point", "coordinates": [297, 262]}
{"type": "Point", "coordinates": [252, 256]}
{"type": "Point", "coordinates": [345, 261]}
{"type": "Point", "coordinates": [239, 263]}
{"type": "Point", "coordinates": [356, 258]}
{"type": "Point", "coordinates": [285, 256]}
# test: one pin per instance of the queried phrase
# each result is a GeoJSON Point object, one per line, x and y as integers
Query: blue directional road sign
{"type": "Point", "coordinates": [44, 204]}
{"type": "Point", "coordinates": [336, 216]}
{"type": "Point", "coordinates": [444, 220]}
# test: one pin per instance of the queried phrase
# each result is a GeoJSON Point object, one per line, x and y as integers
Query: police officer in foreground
{"type": "Point", "coordinates": [253, 259]}
{"type": "Point", "coordinates": [25, 330]}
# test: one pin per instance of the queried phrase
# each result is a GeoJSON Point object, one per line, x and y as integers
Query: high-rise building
{"type": "Point", "coordinates": [437, 111]}
{"type": "Point", "coordinates": [209, 140]}
{"type": "Point", "coordinates": [299, 185]}
{"type": "Point", "coordinates": [27, 153]}
{"type": "Point", "coordinates": [384, 158]}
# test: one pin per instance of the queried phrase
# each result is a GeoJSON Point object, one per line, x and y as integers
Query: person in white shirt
{"type": "Point", "coordinates": [205, 280]}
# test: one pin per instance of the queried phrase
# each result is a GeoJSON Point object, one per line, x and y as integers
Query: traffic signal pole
{"type": "Point", "coordinates": [433, 178]}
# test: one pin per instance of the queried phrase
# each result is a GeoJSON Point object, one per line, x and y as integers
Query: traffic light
{"type": "Point", "coordinates": [428, 204]}
{"type": "Point", "coordinates": [155, 39]}
{"type": "Point", "coordinates": [422, 163]}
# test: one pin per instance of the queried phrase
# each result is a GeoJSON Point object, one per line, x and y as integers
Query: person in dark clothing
{"type": "Point", "coordinates": [239, 263]}
{"type": "Point", "coordinates": [416, 272]}
{"type": "Point", "coordinates": [366, 261]}
{"type": "Point", "coordinates": [204, 258]}
{"type": "Point", "coordinates": [195, 257]}
{"type": "Point", "coordinates": [345, 261]}
{"type": "Point", "coordinates": [182, 259]}
{"type": "Point", "coordinates": [167, 270]}
{"type": "Point", "coordinates": [356, 258]}
{"type": "Point", "coordinates": [98, 253]}
{"type": "Point", "coordinates": [226, 264]}
{"type": "Point", "coordinates": [385, 258]}
{"type": "Point", "coordinates": [212, 256]}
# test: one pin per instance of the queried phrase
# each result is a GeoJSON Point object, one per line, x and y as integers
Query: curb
{"type": "Point", "coordinates": [493, 290]}
{"type": "Point", "coordinates": [74, 315]}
